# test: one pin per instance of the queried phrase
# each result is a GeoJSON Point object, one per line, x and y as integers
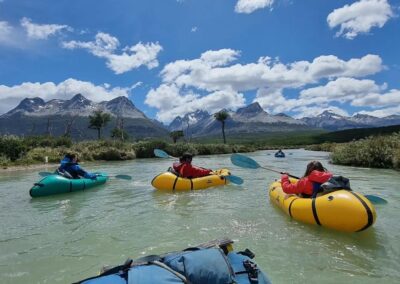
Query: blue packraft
{"type": "Point", "coordinates": [210, 263]}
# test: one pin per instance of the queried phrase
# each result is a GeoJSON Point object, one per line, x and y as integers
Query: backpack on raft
{"type": "Point", "coordinates": [333, 184]}
{"type": "Point", "coordinates": [336, 183]}
{"type": "Point", "coordinates": [213, 263]}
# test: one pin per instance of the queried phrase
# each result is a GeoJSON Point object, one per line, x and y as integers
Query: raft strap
{"type": "Point", "coordinates": [252, 270]}
{"type": "Point", "coordinates": [166, 267]}
{"type": "Point", "coordinates": [247, 253]}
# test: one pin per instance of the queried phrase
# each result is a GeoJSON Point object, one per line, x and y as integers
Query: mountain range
{"type": "Point", "coordinates": [34, 116]}
{"type": "Point", "coordinates": [329, 120]}
{"type": "Point", "coordinates": [249, 119]}
{"type": "Point", "coordinates": [253, 119]}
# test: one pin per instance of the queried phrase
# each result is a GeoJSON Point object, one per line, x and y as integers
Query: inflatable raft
{"type": "Point", "coordinates": [279, 155]}
{"type": "Point", "coordinates": [169, 181]}
{"type": "Point", "coordinates": [56, 184]}
{"type": "Point", "coordinates": [341, 210]}
{"type": "Point", "coordinates": [212, 263]}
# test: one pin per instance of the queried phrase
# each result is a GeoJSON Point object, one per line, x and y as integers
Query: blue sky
{"type": "Point", "coordinates": [171, 57]}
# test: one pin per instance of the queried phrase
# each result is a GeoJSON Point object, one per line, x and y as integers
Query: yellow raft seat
{"type": "Point", "coordinates": [341, 210]}
{"type": "Point", "coordinates": [169, 181]}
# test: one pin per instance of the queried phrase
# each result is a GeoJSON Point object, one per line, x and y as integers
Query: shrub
{"type": "Point", "coordinates": [145, 149]}
{"type": "Point", "coordinates": [12, 147]}
{"type": "Point", "coordinates": [377, 152]}
{"type": "Point", "coordinates": [113, 154]}
{"type": "Point", "coordinates": [326, 147]}
{"type": "Point", "coordinates": [54, 155]}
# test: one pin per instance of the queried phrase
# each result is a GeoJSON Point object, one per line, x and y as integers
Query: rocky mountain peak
{"type": "Point", "coordinates": [27, 105]}
{"type": "Point", "coordinates": [121, 101]}
{"type": "Point", "coordinates": [77, 102]}
{"type": "Point", "coordinates": [253, 108]}
{"type": "Point", "coordinates": [30, 104]}
{"type": "Point", "coordinates": [190, 118]}
{"type": "Point", "coordinates": [281, 114]}
{"type": "Point", "coordinates": [122, 106]}
{"type": "Point", "coordinates": [360, 115]}
{"type": "Point", "coordinates": [329, 114]}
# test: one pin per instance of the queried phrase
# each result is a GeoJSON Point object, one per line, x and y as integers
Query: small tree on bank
{"type": "Point", "coordinates": [222, 116]}
{"type": "Point", "coordinates": [98, 120]}
{"type": "Point", "coordinates": [175, 135]}
{"type": "Point", "coordinates": [120, 134]}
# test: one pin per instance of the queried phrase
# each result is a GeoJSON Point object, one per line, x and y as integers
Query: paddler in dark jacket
{"type": "Point", "coordinates": [186, 170]}
{"type": "Point", "coordinates": [69, 165]}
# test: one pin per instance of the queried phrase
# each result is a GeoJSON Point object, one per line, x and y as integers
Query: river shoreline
{"type": "Point", "coordinates": [16, 168]}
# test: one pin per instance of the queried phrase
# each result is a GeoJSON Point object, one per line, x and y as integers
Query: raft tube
{"type": "Point", "coordinates": [214, 262]}
{"type": "Point", "coordinates": [56, 184]}
{"type": "Point", "coordinates": [279, 155]}
{"type": "Point", "coordinates": [341, 210]}
{"type": "Point", "coordinates": [170, 182]}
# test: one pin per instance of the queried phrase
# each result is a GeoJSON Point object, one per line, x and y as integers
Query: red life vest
{"type": "Point", "coordinates": [305, 184]}
{"type": "Point", "coordinates": [186, 170]}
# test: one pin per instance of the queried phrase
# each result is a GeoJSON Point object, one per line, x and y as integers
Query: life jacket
{"type": "Point", "coordinates": [70, 169]}
{"type": "Point", "coordinates": [198, 265]}
{"type": "Point", "coordinates": [186, 170]}
{"type": "Point", "coordinates": [306, 185]}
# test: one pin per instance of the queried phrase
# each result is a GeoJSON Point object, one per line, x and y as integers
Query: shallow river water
{"type": "Point", "coordinates": [65, 238]}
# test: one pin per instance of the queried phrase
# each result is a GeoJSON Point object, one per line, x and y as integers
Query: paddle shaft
{"type": "Point", "coordinates": [275, 171]}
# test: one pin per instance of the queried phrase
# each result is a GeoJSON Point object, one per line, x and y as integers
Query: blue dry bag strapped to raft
{"type": "Point", "coordinates": [210, 263]}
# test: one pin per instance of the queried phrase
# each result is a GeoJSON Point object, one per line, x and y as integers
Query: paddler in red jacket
{"type": "Point", "coordinates": [186, 170]}
{"type": "Point", "coordinates": [314, 176]}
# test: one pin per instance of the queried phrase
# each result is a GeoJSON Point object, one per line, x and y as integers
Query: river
{"type": "Point", "coordinates": [65, 238]}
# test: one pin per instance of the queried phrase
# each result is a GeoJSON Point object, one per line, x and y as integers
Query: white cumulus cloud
{"type": "Point", "coordinates": [105, 46]}
{"type": "Point", "coordinates": [172, 101]}
{"type": "Point", "coordinates": [5, 31]}
{"type": "Point", "coordinates": [38, 31]}
{"type": "Point", "coordinates": [10, 96]}
{"type": "Point", "coordinates": [216, 72]}
{"type": "Point", "coordinates": [249, 6]}
{"type": "Point", "coordinates": [360, 17]}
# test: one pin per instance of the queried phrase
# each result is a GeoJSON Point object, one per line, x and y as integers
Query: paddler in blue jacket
{"type": "Point", "coordinates": [70, 168]}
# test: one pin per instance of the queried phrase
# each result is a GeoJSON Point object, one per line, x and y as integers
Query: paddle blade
{"type": "Point", "coordinates": [244, 161]}
{"type": "Point", "coordinates": [160, 153]}
{"type": "Point", "coordinates": [234, 179]}
{"type": "Point", "coordinates": [45, 174]}
{"type": "Point", "coordinates": [125, 177]}
{"type": "Point", "coordinates": [375, 199]}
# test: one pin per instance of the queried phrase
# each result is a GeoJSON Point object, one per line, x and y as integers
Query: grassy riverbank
{"type": "Point", "coordinates": [379, 151]}
{"type": "Point", "coordinates": [372, 152]}
{"type": "Point", "coordinates": [16, 151]}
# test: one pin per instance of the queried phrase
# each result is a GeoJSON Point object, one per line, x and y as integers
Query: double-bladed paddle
{"type": "Point", "coordinates": [125, 177]}
{"type": "Point", "coordinates": [247, 162]}
{"type": "Point", "coordinates": [233, 179]}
